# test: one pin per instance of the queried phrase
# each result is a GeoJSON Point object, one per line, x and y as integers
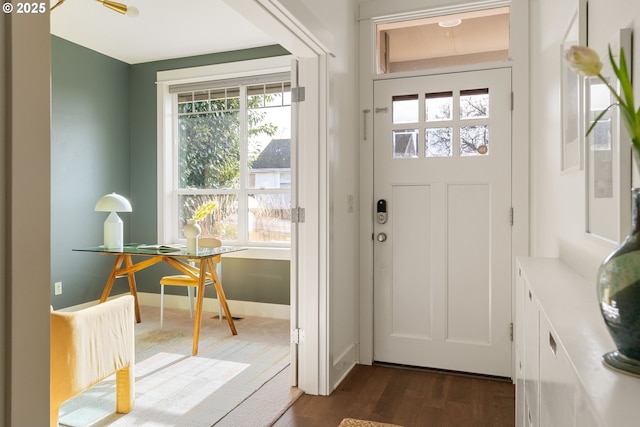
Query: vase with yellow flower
{"type": "Point", "coordinates": [192, 229]}
{"type": "Point", "coordinates": [618, 279]}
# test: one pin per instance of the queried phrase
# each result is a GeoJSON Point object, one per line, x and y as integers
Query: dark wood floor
{"type": "Point", "coordinates": [409, 398]}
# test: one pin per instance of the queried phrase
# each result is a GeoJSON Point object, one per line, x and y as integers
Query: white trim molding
{"type": "Point", "coordinates": [181, 302]}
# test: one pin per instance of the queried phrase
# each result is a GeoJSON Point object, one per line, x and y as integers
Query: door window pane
{"type": "Point", "coordinates": [405, 144]}
{"type": "Point", "coordinates": [474, 104]}
{"type": "Point", "coordinates": [474, 140]}
{"type": "Point", "coordinates": [438, 106]}
{"type": "Point", "coordinates": [439, 142]}
{"type": "Point", "coordinates": [405, 109]}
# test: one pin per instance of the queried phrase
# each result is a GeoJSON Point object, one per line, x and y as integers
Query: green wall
{"type": "Point", "coordinates": [104, 139]}
{"type": "Point", "coordinates": [89, 158]}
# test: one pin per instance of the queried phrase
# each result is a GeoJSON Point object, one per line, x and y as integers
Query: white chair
{"type": "Point", "coordinates": [188, 282]}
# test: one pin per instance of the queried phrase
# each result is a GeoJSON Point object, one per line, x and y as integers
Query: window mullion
{"type": "Point", "coordinates": [174, 216]}
{"type": "Point", "coordinates": [243, 227]}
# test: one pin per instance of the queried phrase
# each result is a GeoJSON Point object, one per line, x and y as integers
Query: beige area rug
{"type": "Point", "coordinates": [266, 405]}
{"type": "Point", "coordinates": [174, 388]}
{"type": "Point", "coordinates": [351, 422]}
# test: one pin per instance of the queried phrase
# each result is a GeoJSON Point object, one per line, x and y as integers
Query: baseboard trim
{"type": "Point", "coordinates": [238, 308]}
{"type": "Point", "coordinates": [343, 364]}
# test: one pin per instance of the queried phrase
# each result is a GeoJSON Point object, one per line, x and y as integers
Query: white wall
{"type": "Point", "coordinates": [558, 209]}
{"type": "Point", "coordinates": [338, 17]}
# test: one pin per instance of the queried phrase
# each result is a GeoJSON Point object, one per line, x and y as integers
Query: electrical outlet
{"type": "Point", "coordinates": [57, 289]}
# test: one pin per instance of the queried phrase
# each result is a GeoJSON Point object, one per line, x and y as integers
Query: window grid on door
{"type": "Point", "coordinates": [441, 124]}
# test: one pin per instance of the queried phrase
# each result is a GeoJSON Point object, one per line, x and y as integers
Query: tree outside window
{"type": "Point", "coordinates": [234, 148]}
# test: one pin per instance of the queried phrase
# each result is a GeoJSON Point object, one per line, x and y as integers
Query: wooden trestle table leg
{"type": "Point", "coordinates": [130, 276]}
{"type": "Point", "coordinates": [204, 265]}
{"type": "Point", "coordinates": [221, 296]}
{"type": "Point", "coordinates": [112, 278]}
{"type": "Point", "coordinates": [132, 286]}
{"type": "Point", "coordinates": [199, 303]}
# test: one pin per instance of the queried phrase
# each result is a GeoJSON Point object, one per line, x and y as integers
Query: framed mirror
{"type": "Point", "coordinates": [608, 153]}
{"type": "Point", "coordinates": [572, 95]}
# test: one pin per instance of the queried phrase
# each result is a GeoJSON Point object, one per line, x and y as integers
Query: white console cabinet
{"type": "Point", "coordinates": [560, 338]}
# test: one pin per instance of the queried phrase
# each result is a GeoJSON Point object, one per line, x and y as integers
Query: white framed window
{"type": "Point", "coordinates": [224, 136]}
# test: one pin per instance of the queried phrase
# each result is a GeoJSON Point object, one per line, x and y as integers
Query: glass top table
{"type": "Point", "coordinates": [178, 257]}
{"type": "Point", "coordinates": [176, 251]}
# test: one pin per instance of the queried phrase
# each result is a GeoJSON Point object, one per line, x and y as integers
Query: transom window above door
{"type": "Point", "coordinates": [442, 41]}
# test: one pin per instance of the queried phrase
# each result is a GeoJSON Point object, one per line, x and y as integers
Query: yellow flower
{"type": "Point", "coordinates": [583, 60]}
{"type": "Point", "coordinates": [204, 210]}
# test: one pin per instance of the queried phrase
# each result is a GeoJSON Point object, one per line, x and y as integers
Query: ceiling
{"type": "Point", "coordinates": [163, 29]}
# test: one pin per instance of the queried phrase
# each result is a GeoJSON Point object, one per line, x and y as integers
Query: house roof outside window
{"type": "Point", "coordinates": [276, 155]}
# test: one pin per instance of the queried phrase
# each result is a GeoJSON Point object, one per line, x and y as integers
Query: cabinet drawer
{"type": "Point", "coordinates": [557, 381]}
{"type": "Point", "coordinates": [530, 356]}
{"type": "Point", "coordinates": [520, 397]}
{"type": "Point", "coordinates": [519, 340]}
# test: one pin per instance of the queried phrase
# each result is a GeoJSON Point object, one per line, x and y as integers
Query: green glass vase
{"type": "Point", "coordinates": [619, 297]}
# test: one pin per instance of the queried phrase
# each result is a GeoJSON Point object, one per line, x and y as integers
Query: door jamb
{"type": "Point", "coordinates": [296, 29]}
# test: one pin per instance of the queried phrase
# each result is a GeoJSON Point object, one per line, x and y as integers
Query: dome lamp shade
{"type": "Point", "coordinates": [113, 234]}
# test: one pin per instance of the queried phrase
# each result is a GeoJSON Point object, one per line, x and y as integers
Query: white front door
{"type": "Point", "coordinates": [442, 259]}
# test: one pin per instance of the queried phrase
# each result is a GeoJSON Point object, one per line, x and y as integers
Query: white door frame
{"type": "Point", "coordinates": [296, 29]}
{"type": "Point", "coordinates": [377, 10]}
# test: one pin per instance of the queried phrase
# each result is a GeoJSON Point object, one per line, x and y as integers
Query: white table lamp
{"type": "Point", "coordinates": [113, 224]}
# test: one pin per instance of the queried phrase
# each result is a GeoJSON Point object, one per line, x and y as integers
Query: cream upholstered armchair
{"type": "Point", "coordinates": [88, 346]}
